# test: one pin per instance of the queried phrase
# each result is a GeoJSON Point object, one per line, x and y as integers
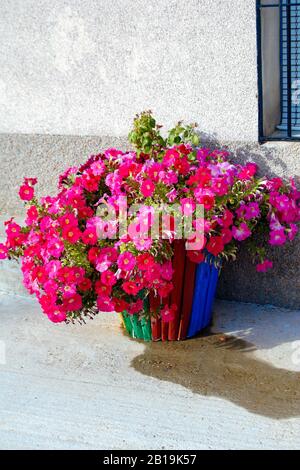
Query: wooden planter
{"type": "Point", "coordinates": [193, 293]}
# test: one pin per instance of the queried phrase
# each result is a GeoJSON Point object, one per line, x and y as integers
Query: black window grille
{"type": "Point", "coordinates": [278, 32]}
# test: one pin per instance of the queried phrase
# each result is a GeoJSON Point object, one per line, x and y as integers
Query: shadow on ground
{"type": "Point", "coordinates": [220, 366]}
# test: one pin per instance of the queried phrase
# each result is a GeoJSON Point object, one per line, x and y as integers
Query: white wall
{"type": "Point", "coordinates": [85, 67]}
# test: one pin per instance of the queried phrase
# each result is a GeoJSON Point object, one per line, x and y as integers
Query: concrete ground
{"type": "Point", "coordinates": [91, 387]}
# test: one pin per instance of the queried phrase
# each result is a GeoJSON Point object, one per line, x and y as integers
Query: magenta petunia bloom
{"type": "Point", "coordinates": [3, 251]}
{"type": "Point", "coordinates": [215, 245]}
{"type": "Point", "coordinates": [277, 237]}
{"type": "Point", "coordinates": [130, 287]}
{"type": "Point", "coordinates": [252, 211]}
{"type": "Point", "coordinates": [26, 192]}
{"type": "Point", "coordinates": [145, 261]}
{"type": "Point", "coordinates": [108, 278]}
{"type": "Point", "coordinates": [89, 236]}
{"type": "Point", "coordinates": [241, 232]}
{"type": "Point", "coordinates": [264, 266]}
{"type": "Point", "coordinates": [126, 261]}
{"type": "Point", "coordinates": [57, 314]}
{"type": "Point", "coordinates": [147, 188]}
{"type": "Point", "coordinates": [105, 304]}
{"type": "Point", "coordinates": [71, 234]}
{"type": "Point", "coordinates": [168, 313]}
{"type": "Point", "coordinates": [71, 303]}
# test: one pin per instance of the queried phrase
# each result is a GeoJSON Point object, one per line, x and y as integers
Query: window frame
{"type": "Point", "coordinates": [262, 138]}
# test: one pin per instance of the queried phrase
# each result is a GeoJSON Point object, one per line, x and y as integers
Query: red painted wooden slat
{"type": "Point", "coordinates": [178, 281]}
{"type": "Point", "coordinates": [155, 322]}
{"type": "Point", "coordinates": [188, 293]}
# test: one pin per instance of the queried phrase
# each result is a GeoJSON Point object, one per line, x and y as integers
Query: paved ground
{"type": "Point", "coordinates": [73, 387]}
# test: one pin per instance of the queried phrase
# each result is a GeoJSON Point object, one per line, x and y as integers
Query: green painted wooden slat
{"type": "Point", "coordinates": [128, 324]}
{"type": "Point", "coordinates": [137, 327]}
{"type": "Point", "coordinates": [146, 327]}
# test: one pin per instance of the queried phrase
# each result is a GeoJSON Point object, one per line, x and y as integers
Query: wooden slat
{"type": "Point", "coordinates": [178, 282]}
{"type": "Point", "coordinates": [188, 293]}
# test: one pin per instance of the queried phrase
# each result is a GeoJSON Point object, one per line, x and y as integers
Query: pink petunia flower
{"type": "Point", "coordinates": [206, 197]}
{"type": "Point", "coordinates": [241, 210]}
{"type": "Point", "coordinates": [164, 289]}
{"type": "Point", "coordinates": [71, 234]}
{"type": "Point", "coordinates": [52, 268]}
{"type": "Point", "coordinates": [102, 289]}
{"type": "Point", "coordinates": [98, 168]}
{"type": "Point", "coordinates": [108, 278]}
{"type": "Point", "coordinates": [85, 284]}
{"type": "Point", "coordinates": [142, 244]}
{"type": "Point", "coordinates": [264, 266]}
{"type": "Point", "coordinates": [220, 186]}
{"type": "Point", "coordinates": [215, 245]}
{"type": "Point", "coordinates": [241, 232]}
{"type": "Point", "coordinates": [120, 305]}
{"type": "Point", "coordinates": [126, 261]}
{"type": "Point", "coordinates": [167, 271]}
{"type": "Point", "coordinates": [135, 307]}
{"type": "Point", "coordinates": [72, 303]}
{"type": "Point", "coordinates": [187, 206]}
{"type": "Point", "coordinates": [226, 235]}
{"type": "Point", "coordinates": [105, 304]}
{"type": "Point", "coordinates": [130, 287]}
{"type": "Point", "coordinates": [26, 192]}
{"type": "Point", "coordinates": [145, 261]}
{"type": "Point", "coordinates": [252, 211]}
{"type": "Point", "coordinates": [274, 223]}
{"type": "Point", "coordinates": [50, 287]}
{"type": "Point", "coordinates": [147, 188]}
{"type": "Point", "coordinates": [57, 315]}
{"type": "Point", "coordinates": [248, 171]}
{"type": "Point", "coordinates": [3, 251]}
{"type": "Point", "coordinates": [12, 229]}
{"type": "Point", "coordinates": [31, 215]}
{"type": "Point", "coordinates": [68, 220]}
{"type": "Point", "coordinates": [168, 313]}
{"type": "Point", "coordinates": [169, 158]}
{"type": "Point", "coordinates": [277, 237]}
{"type": "Point", "coordinates": [154, 170]}
{"type": "Point", "coordinates": [55, 247]}
{"type": "Point", "coordinates": [227, 219]}
{"type": "Point", "coordinates": [89, 236]}
{"type": "Point", "coordinates": [281, 202]}
{"type": "Point", "coordinates": [292, 232]}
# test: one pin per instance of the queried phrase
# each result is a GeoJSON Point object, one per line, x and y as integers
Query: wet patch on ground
{"type": "Point", "coordinates": [222, 366]}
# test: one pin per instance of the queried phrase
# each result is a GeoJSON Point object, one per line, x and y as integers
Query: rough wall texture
{"type": "Point", "coordinates": [83, 68]}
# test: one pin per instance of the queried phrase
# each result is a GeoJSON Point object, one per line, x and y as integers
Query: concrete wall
{"type": "Point", "coordinates": [73, 73]}
{"type": "Point", "coordinates": [85, 67]}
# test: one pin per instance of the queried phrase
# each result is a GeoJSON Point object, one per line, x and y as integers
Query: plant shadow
{"type": "Point", "coordinates": [214, 364]}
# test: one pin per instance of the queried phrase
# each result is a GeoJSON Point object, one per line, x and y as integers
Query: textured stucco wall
{"type": "Point", "coordinates": [83, 68]}
{"type": "Point", "coordinates": [87, 66]}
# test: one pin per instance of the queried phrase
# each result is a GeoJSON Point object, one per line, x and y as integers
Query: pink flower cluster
{"type": "Point", "coordinates": [71, 268]}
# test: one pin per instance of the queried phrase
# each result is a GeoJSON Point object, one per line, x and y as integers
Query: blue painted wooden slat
{"type": "Point", "coordinates": [204, 294]}
{"type": "Point", "coordinates": [198, 299]}
{"type": "Point", "coordinates": [203, 297]}
{"type": "Point", "coordinates": [213, 281]}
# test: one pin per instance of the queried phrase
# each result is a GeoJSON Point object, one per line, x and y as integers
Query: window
{"type": "Point", "coordinates": [278, 40]}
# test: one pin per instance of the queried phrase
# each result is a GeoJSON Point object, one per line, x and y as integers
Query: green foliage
{"type": "Point", "coordinates": [147, 139]}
